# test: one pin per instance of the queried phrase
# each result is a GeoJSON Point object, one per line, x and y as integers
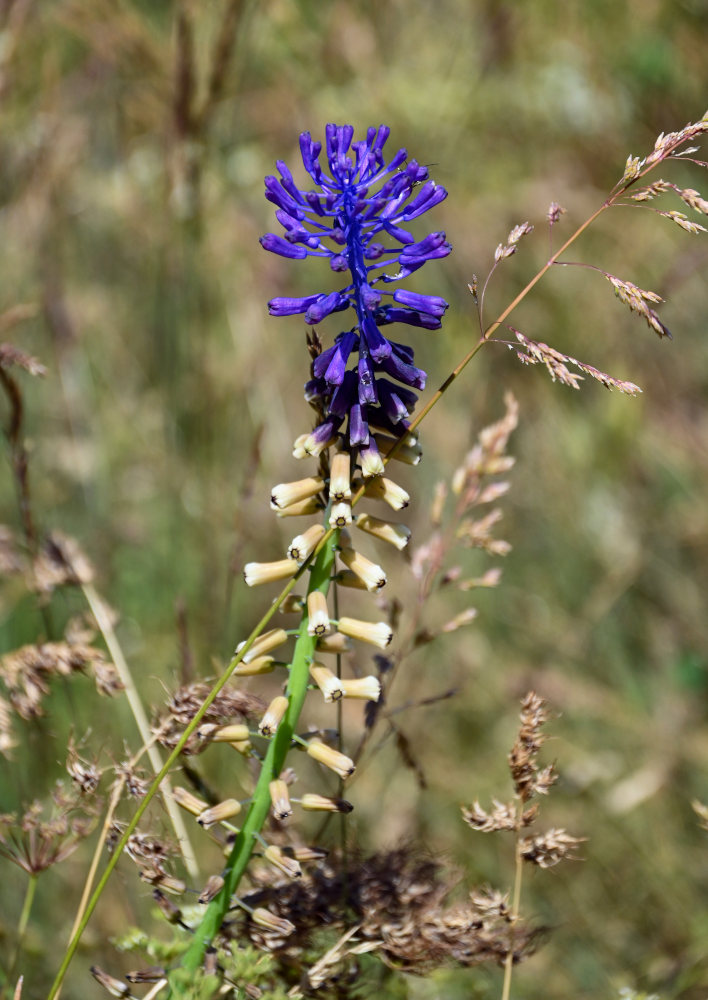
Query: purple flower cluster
{"type": "Point", "coordinates": [362, 201]}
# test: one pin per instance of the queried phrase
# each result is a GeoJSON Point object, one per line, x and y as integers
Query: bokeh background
{"type": "Point", "coordinates": [134, 137]}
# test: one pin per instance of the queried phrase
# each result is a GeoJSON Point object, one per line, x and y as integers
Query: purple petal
{"type": "Point", "coordinates": [310, 151]}
{"type": "Point", "coordinates": [287, 182]}
{"type": "Point", "coordinates": [291, 307]}
{"type": "Point", "coordinates": [332, 363]}
{"type": "Point", "coordinates": [315, 389]}
{"type": "Point", "coordinates": [402, 235]}
{"type": "Point", "coordinates": [391, 402]}
{"type": "Point", "coordinates": [280, 197]}
{"type": "Point", "coordinates": [379, 347]}
{"type": "Point", "coordinates": [338, 262]}
{"type": "Point", "coordinates": [420, 205]}
{"type": "Point", "coordinates": [344, 396]}
{"type": "Point", "coordinates": [410, 316]}
{"type": "Point", "coordinates": [367, 384]}
{"type": "Point", "coordinates": [370, 297]}
{"type": "Point", "coordinates": [413, 262]}
{"type": "Point", "coordinates": [358, 427]}
{"type": "Point", "coordinates": [408, 398]}
{"type": "Point", "coordinates": [276, 244]}
{"type": "Point", "coordinates": [432, 304]}
{"type": "Point", "coordinates": [403, 372]}
{"type": "Point", "coordinates": [324, 306]}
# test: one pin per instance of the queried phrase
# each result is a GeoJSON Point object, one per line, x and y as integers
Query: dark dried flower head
{"type": "Point", "coordinates": [135, 779]}
{"type": "Point", "coordinates": [61, 562]}
{"type": "Point", "coordinates": [35, 843]}
{"type": "Point", "coordinates": [501, 817]}
{"type": "Point", "coordinates": [546, 849]}
{"type": "Point", "coordinates": [527, 778]}
{"type": "Point", "coordinates": [183, 705]}
{"type": "Point", "coordinates": [27, 672]}
{"type": "Point", "coordinates": [354, 218]}
{"type": "Point", "coordinates": [395, 903]}
{"type": "Point", "coordinates": [84, 773]}
{"type": "Point", "coordinates": [116, 987]}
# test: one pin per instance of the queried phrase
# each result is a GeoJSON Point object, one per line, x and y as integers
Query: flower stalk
{"type": "Point", "coordinates": [272, 766]}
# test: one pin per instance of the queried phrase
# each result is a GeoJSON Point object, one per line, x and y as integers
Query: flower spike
{"type": "Point", "coordinates": [356, 219]}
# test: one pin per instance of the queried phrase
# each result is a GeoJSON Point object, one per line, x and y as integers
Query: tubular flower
{"type": "Point", "coordinates": [356, 218]}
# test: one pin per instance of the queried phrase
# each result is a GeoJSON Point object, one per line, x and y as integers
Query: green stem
{"type": "Point", "coordinates": [24, 920]}
{"type": "Point", "coordinates": [272, 765]}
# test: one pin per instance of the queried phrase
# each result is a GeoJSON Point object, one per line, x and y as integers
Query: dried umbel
{"type": "Point", "coordinates": [184, 704]}
{"type": "Point", "coordinates": [397, 904]}
{"type": "Point", "coordinates": [44, 836]}
{"type": "Point", "coordinates": [28, 671]}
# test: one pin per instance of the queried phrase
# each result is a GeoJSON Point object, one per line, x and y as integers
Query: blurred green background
{"type": "Point", "coordinates": [132, 156]}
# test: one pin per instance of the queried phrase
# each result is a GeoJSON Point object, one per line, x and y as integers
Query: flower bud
{"type": "Point", "coordinates": [261, 665]}
{"type": "Point", "coordinates": [377, 633]}
{"type": "Point", "coordinates": [285, 494]}
{"type": "Point", "coordinates": [280, 799]}
{"type": "Point", "coordinates": [304, 545]}
{"type": "Point", "coordinates": [371, 575]}
{"type": "Point", "coordinates": [367, 688]}
{"type": "Point", "coordinates": [318, 615]}
{"type": "Point", "coordinates": [218, 813]}
{"type": "Point", "coordinates": [187, 801]}
{"type": "Point", "coordinates": [289, 866]}
{"type": "Point", "coordinates": [302, 508]}
{"type": "Point", "coordinates": [236, 733]}
{"type": "Point", "coordinates": [329, 684]}
{"type": "Point", "coordinates": [255, 573]}
{"type": "Point", "coordinates": [322, 803]}
{"type": "Point", "coordinates": [273, 716]}
{"type": "Point", "coordinates": [213, 887]}
{"type": "Point", "coordinates": [395, 534]}
{"type": "Point", "coordinates": [341, 514]}
{"type": "Point", "coordinates": [384, 489]}
{"type": "Point", "coordinates": [408, 454]}
{"type": "Point", "coordinates": [340, 478]}
{"type": "Point", "coordinates": [263, 644]}
{"type": "Point", "coordinates": [371, 461]}
{"type": "Point", "coordinates": [264, 918]}
{"type": "Point", "coordinates": [331, 758]}
{"type": "Point", "coordinates": [335, 643]}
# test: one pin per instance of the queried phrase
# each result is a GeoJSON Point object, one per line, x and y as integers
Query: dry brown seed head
{"type": "Point", "coordinates": [213, 887]}
{"type": "Point", "coordinates": [149, 975]}
{"type": "Point", "coordinates": [549, 848]}
{"type": "Point", "coordinates": [501, 817]}
{"type": "Point", "coordinates": [114, 986]}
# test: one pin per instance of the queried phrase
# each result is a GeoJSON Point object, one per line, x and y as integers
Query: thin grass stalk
{"type": "Point", "coordinates": [103, 620]}
{"type": "Point", "coordinates": [515, 905]}
{"type": "Point", "coordinates": [24, 920]}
